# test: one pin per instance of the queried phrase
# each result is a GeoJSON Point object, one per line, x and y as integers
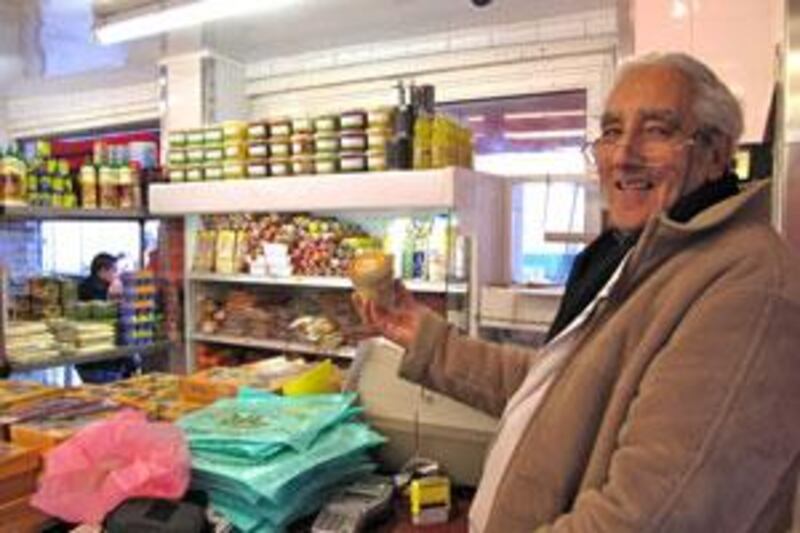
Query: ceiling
{"type": "Point", "coordinates": [321, 24]}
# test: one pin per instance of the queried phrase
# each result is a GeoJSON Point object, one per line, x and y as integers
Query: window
{"type": "Point", "coordinates": [535, 141]}
{"type": "Point", "coordinates": [68, 247]}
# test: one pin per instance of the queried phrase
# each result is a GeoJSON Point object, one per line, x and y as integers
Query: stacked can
{"type": "Point", "coordinates": [353, 141]}
{"type": "Point", "coordinates": [256, 151]}
{"type": "Point", "coordinates": [137, 309]}
{"type": "Point", "coordinates": [302, 146]}
{"type": "Point", "coordinates": [380, 122]}
{"type": "Point", "coordinates": [326, 144]}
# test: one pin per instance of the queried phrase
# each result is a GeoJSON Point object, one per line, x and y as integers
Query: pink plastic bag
{"type": "Point", "coordinates": [110, 461]}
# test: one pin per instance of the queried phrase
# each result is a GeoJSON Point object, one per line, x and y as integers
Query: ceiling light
{"type": "Point", "coordinates": [475, 118]}
{"type": "Point", "coordinates": [181, 16]}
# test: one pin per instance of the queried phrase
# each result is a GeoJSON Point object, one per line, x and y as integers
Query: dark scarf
{"type": "Point", "coordinates": [597, 263]}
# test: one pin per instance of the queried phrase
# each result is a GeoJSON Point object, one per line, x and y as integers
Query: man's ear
{"type": "Point", "coordinates": [720, 153]}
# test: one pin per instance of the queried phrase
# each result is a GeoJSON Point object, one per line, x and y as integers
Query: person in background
{"type": "Point", "coordinates": [667, 395]}
{"type": "Point", "coordinates": [103, 284]}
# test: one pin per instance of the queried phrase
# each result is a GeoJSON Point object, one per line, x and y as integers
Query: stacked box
{"type": "Point", "coordinates": [210, 385]}
{"type": "Point", "coordinates": [157, 394]}
{"type": "Point", "coordinates": [137, 310]}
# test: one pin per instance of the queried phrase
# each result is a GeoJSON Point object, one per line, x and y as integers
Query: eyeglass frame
{"type": "Point", "coordinates": [589, 148]}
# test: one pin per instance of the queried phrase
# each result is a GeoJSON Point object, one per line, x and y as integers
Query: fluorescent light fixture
{"type": "Point", "coordinates": [475, 118]}
{"type": "Point", "coordinates": [535, 135]}
{"type": "Point", "coordinates": [182, 16]}
{"type": "Point", "coordinates": [544, 114]}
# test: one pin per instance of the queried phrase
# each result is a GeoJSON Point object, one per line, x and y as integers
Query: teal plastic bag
{"type": "Point", "coordinates": [257, 425]}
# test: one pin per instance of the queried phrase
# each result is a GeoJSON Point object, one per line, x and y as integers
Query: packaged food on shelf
{"type": "Point", "coordinates": [381, 117]}
{"type": "Point", "coordinates": [257, 131]}
{"type": "Point", "coordinates": [376, 161]}
{"type": "Point", "coordinates": [280, 147]}
{"type": "Point", "coordinates": [234, 170]}
{"type": "Point", "coordinates": [423, 138]}
{"type": "Point", "coordinates": [13, 392]}
{"type": "Point", "coordinates": [226, 252]}
{"type": "Point", "coordinates": [213, 172]}
{"type": "Point", "coordinates": [235, 150]}
{"type": "Point", "coordinates": [194, 173]}
{"type": "Point", "coordinates": [195, 138]}
{"type": "Point", "coordinates": [353, 161]}
{"type": "Point", "coordinates": [213, 136]}
{"type": "Point", "coordinates": [326, 123]}
{"type": "Point", "coordinates": [302, 125]}
{"type": "Point", "coordinates": [176, 175]}
{"type": "Point", "coordinates": [353, 120]}
{"type": "Point", "coordinates": [258, 168]}
{"type": "Point", "coordinates": [48, 432]}
{"type": "Point", "coordinates": [353, 141]}
{"type": "Point", "coordinates": [195, 155]}
{"type": "Point", "coordinates": [326, 142]}
{"type": "Point", "coordinates": [280, 166]}
{"type": "Point", "coordinates": [378, 138]}
{"type": "Point", "coordinates": [302, 165]}
{"type": "Point", "coordinates": [205, 251]}
{"type": "Point", "coordinates": [13, 181]}
{"type": "Point", "coordinates": [177, 157]}
{"type": "Point", "coordinates": [177, 139]}
{"type": "Point", "coordinates": [258, 150]}
{"type": "Point", "coordinates": [280, 127]}
{"type": "Point", "coordinates": [126, 185]}
{"type": "Point", "coordinates": [234, 130]}
{"type": "Point", "coordinates": [213, 154]}
{"type": "Point", "coordinates": [326, 163]}
{"type": "Point", "coordinates": [210, 385]}
{"type": "Point", "coordinates": [302, 144]}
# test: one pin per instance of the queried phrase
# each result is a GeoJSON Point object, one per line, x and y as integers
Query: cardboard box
{"type": "Point", "coordinates": [210, 385]}
{"type": "Point", "coordinates": [13, 392]}
{"type": "Point", "coordinates": [19, 516]}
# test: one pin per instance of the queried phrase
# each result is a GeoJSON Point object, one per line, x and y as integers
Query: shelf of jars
{"type": "Point", "coordinates": [345, 352]}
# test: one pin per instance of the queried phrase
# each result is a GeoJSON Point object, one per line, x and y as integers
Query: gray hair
{"type": "Point", "coordinates": [715, 107]}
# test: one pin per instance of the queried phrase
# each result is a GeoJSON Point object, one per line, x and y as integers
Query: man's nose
{"type": "Point", "coordinates": [627, 151]}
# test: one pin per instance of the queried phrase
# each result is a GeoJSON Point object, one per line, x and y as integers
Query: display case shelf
{"type": "Point", "coordinates": [56, 213]}
{"type": "Point", "coordinates": [321, 282]}
{"type": "Point", "coordinates": [365, 191]}
{"type": "Point", "coordinates": [275, 344]}
{"type": "Point", "coordinates": [146, 350]}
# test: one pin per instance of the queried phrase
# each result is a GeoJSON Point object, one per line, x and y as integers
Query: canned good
{"type": "Point", "coordinates": [258, 131]}
{"type": "Point", "coordinates": [280, 166]}
{"type": "Point", "coordinates": [194, 174]}
{"type": "Point", "coordinates": [326, 142]}
{"type": "Point", "coordinates": [195, 155]}
{"type": "Point", "coordinates": [353, 142]}
{"type": "Point", "coordinates": [233, 170]}
{"type": "Point", "coordinates": [353, 162]}
{"type": "Point", "coordinates": [378, 138]}
{"type": "Point", "coordinates": [326, 123]}
{"type": "Point", "coordinates": [236, 150]}
{"type": "Point", "coordinates": [302, 125]}
{"type": "Point", "coordinates": [381, 117]}
{"type": "Point", "coordinates": [281, 127]}
{"type": "Point", "coordinates": [177, 157]}
{"type": "Point", "coordinates": [258, 150]}
{"type": "Point", "coordinates": [326, 163]}
{"type": "Point", "coordinates": [234, 130]}
{"type": "Point", "coordinates": [177, 139]}
{"type": "Point", "coordinates": [195, 137]}
{"type": "Point", "coordinates": [280, 147]}
{"type": "Point", "coordinates": [302, 164]}
{"type": "Point", "coordinates": [258, 169]}
{"type": "Point", "coordinates": [302, 144]}
{"type": "Point", "coordinates": [376, 161]}
{"type": "Point", "coordinates": [176, 175]}
{"type": "Point", "coordinates": [214, 154]}
{"type": "Point", "coordinates": [353, 120]}
{"type": "Point", "coordinates": [213, 136]}
{"type": "Point", "coordinates": [212, 172]}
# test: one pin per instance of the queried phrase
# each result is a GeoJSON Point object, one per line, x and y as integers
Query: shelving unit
{"type": "Point", "coordinates": [477, 201]}
{"type": "Point", "coordinates": [345, 352]}
{"type": "Point", "coordinates": [106, 355]}
{"type": "Point", "coordinates": [55, 213]}
{"type": "Point", "coordinates": [319, 282]}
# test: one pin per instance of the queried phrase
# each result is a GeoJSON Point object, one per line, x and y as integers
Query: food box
{"type": "Point", "coordinates": [14, 392]}
{"type": "Point", "coordinates": [46, 433]}
{"type": "Point", "coordinates": [172, 410]}
{"type": "Point", "coordinates": [210, 385]}
{"type": "Point", "coordinates": [41, 408]}
{"type": "Point", "coordinates": [20, 516]}
{"type": "Point", "coordinates": [19, 468]}
{"type": "Point", "coordinates": [146, 392]}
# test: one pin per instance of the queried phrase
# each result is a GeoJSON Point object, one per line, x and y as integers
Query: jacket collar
{"type": "Point", "coordinates": [663, 237]}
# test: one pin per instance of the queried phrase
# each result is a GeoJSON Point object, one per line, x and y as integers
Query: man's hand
{"type": "Point", "coordinates": [400, 323]}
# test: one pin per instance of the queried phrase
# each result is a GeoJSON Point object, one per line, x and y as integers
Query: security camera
{"type": "Point", "coordinates": [481, 3]}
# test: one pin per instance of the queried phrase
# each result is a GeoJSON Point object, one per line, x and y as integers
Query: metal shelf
{"type": "Point", "coordinates": [275, 344]}
{"type": "Point", "coordinates": [57, 213]}
{"type": "Point", "coordinates": [320, 282]}
{"type": "Point", "coordinates": [122, 351]}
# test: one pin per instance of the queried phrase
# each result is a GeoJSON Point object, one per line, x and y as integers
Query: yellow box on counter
{"type": "Point", "coordinates": [143, 392]}
{"type": "Point", "coordinates": [14, 392]}
{"type": "Point", "coordinates": [46, 433]}
{"type": "Point", "coordinates": [19, 516]}
{"type": "Point", "coordinates": [15, 460]}
{"type": "Point", "coordinates": [210, 385]}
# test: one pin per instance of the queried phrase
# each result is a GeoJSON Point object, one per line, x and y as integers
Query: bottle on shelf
{"type": "Point", "coordinates": [88, 186]}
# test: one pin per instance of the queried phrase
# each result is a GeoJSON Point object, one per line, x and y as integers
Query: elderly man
{"type": "Point", "coordinates": [668, 393]}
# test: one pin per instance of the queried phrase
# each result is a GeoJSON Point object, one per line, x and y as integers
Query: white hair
{"type": "Point", "coordinates": [715, 107]}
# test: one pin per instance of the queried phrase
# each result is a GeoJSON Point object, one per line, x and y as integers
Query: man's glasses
{"type": "Point", "coordinates": [653, 147]}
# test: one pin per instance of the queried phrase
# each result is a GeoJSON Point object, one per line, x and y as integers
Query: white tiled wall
{"type": "Point", "coordinates": [567, 52]}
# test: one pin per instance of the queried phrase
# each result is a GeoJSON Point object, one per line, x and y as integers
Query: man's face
{"type": "Point", "coordinates": [649, 155]}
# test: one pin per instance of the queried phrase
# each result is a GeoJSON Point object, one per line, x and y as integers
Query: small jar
{"type": "Point", "coordinates": [378, 138]}
{"type": "Point", "coordinates": [195, 138]}
{"type": "Point", "coordinates": [257, 131]}
{"type": "Point", "coordinates": [258, 150]}
{"type": "Point", "coordinates": [177, 157]}
{"type": "Point", "coordinates": [175, 175]}
{"type": "Point", "coordinates": [326, 143]}
{"type": "Point", "coordinates": [213, 155]}
{"type": "Point", "coordinates": [353, 161]}
{"type": "Point", "coordinates": [235, 151]}
{"type": "Point", "coordinates": [353, 120]}
{"type": "Point", "coordinates": [195, 155]}
{"type": "Point", "coordinates": [326, 163]}
{"type": "Point", "coordinates": [376, 161]}
{"type": "Point", "coordinates": [177, 139]}
{"type": "Point", "coordinates": [108, 181]}
{"type": "Point", "coordinates": [234, 130]}
{"type": "Point", "coordinates": [302, 125]}
{"type": "Point", "coordinates": [302, 144]}
{"type": "Point", "coordinates": [257, 169]}
{"type": "Point", "coordinates": [353, 142]}
{"type": "Point", "coordinates": [281, 127]}
{"type": "Point", "coordinates": [194, 174]}
{"type": "Point", "coordinates": [302, 164]}
{"type": "Point", "coordinates": [381, 117]}
{"type": "Point", "coordinates": [88, 186]}
{"type": "Point", "coordinates": [213, 136]}
{"type": "Point", "coordinates": [326, 123]}
{"type": "Point", "coordinates": [233, 170]}
{"type": "Point", "coordinates": [280, 166]}
{"type": "Point", "coordinates": [213, 172]}
{"type": "Point", "coordinates": [280, 147]}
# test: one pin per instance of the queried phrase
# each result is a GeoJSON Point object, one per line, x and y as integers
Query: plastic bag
{"type": "Point", "coordinates": [110, 461]}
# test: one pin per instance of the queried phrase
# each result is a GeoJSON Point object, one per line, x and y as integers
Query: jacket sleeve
{"type": "Point", "coordinates": [713, 433]}
{"type": "Point", "coordinates": [481, 374]}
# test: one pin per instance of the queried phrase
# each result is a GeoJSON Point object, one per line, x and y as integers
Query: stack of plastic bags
{"type": "Point", "coordinates": [266, 460]}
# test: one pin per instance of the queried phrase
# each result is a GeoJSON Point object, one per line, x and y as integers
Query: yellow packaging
{"type": "Point", "coordinates": [210, 385]}
{"type": "Point", "coordinates": [16, 392]}
{"type": "Point", "coordinates": [226, 251]}
{"type": "Point", "coordinates": [322, 378]}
